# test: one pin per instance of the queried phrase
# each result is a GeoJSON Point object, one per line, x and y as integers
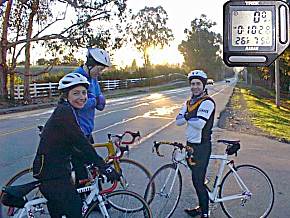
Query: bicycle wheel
{"type": "Point", "coordinates": [257, 203]}
{"type": "Point", "coordinates": [135, 175]}
{"type": "Point", "coordinates": [22, 177]}
{"type": "Point", "coordinates": [121, 203]}
{"type": "Point", "coordinates": [168, 185]}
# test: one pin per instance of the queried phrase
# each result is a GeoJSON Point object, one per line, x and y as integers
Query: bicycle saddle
{"type": "Point", "coordinates": [231, 142]}
{"type": "Point", "coordinates": [21, 190]}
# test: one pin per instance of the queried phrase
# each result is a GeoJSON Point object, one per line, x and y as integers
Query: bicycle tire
{"type": "Point", "coordinates": [15, 177]}
{"type": "Point", "coordinates": [22, 177]}
{"type": "Point", "coordinates": [160, 203]}
{"type": "Point", "coordinates": [136, 176]}
{"type": "Point", "coordinates": [258, 182]}
{"type": "Point", "coordinates": [127, 202]}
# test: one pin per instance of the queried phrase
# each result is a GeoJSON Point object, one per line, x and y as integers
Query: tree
{"type": "Point", "coordinates": [148, 29]}
{"type": "Point", "coordinates": [267, 74]}
{"type": "Point", "coordinates": [201, 48]}
{"type": "Point", "coordinates": [41, 61]}
{"type": "Point", "coordinates": [285, 71]}
{"type": "Point", "coordinates": [3, 51]}
{"type": "Point", "coordinates": [134, 66]}
{"type": "Point", "coordinates": [86, 28]}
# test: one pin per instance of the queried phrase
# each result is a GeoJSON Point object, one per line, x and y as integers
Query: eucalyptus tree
{"type": "Point", "coordinates": [267, 74]}
{"type": "Point", "coordinates": [59, 24]}
{"type": "Point", "coordinates": [201, 48]}
{"type": "Point", "coordinates": [149, 29]}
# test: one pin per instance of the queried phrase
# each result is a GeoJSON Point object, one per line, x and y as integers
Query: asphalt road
{"type": "Point", "coordinates": [153, 115]}
{"type": "Point", "coordinates": [148, 113]}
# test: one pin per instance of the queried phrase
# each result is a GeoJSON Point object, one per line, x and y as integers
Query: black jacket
{"type": "Point", "coordinates": [60, 139]}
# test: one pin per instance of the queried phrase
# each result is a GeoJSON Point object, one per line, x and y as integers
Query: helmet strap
{"type": "Point", "coordinates": [88, 69]}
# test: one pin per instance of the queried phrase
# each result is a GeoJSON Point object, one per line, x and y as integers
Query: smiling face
{"type": "Point", "coordinates": [77, 97]}
{"type": "Point", "coordinates": [196, 87]}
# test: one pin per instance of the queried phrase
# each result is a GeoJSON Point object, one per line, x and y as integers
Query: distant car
{"type": "Point", "coordinates": [228, 80]}
{"type": "Point", "coordinates": [210, 82]}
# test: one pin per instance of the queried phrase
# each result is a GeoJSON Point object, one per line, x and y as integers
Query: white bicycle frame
{"type": "Point", "coordinates": [213, 195]}
{"type": "Point", "coordinates": [29, 210]}
{"type": "Point", "coordinates": [179, 157]}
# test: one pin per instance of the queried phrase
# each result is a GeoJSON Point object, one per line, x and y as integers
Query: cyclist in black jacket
{"type": "Point", "coordinates": [61, 138]}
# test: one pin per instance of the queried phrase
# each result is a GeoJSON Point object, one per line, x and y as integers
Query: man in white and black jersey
{"type": "Point", "coordinates": [198, 113]}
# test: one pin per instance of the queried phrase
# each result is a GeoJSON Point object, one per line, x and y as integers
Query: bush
{"type": "Point", "coordinates": [17, 80]}
{"type": "Point", "coordinates": [50, 77]}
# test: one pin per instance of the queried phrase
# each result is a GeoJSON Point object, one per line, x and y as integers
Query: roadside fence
{"type": "Point", "coordinates": [38, 90]}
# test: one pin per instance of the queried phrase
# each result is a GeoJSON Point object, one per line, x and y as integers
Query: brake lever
{"type": "Point", "coordinates": [156, 146]}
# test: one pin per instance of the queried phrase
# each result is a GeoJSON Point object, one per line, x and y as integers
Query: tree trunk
{"type": "Point", "coordinates": [3, 52]}
{"type": "Point", "coordinates": [27, 97]}
{"type": "Point", "coordinates": [12, 77]}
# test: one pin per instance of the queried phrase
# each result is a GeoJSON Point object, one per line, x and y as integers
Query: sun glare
{"type": "Point", "coordinates": [169, 55]}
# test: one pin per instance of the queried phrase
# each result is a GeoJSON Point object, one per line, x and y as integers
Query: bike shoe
{"type": "Point", "coordinates": [193, 212]}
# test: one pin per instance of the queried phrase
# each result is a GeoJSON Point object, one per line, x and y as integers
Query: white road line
{"type": "Point", "coordinates": [109, 112]}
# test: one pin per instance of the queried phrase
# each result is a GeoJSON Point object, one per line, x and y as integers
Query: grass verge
{"type": "Point", "coordinates": [264, 113]}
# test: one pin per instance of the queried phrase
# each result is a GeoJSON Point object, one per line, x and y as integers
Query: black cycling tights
{"type": "Point", "coordinates": [201, 157]}
{"type": "Point", "coordinates": [63, 198]}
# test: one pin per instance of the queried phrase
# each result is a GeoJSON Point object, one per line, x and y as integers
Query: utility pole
{"type": "Point", "coordinates": [277, 82]}
{"type": "Point", "coordinates": [246, 75]}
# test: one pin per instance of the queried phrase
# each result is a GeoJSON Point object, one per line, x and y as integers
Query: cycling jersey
{"type": "Point", "coordinates": [86, 115]}
{"type": "Point", "coordinates": [199, 117]}
{"type": "Point", "coordinates": [60, 139]}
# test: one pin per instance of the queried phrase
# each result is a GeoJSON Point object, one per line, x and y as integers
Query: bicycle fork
{"type": "Point", "coordinates": [103, 207]}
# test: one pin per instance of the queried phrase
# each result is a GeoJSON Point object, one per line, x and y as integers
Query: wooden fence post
{"type": "Point", "coordinates": [49, 90]}
{"type": "Point", "coordinates": [35, 90]}
{"type": "Point", "coordinates": [18, 91]}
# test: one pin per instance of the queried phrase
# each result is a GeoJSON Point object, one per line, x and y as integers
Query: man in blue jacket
{"type": "Point", "coordinates": [97, 61]}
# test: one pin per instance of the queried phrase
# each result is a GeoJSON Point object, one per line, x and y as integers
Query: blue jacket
{"type": "Point", "coordinates": [86, 115]}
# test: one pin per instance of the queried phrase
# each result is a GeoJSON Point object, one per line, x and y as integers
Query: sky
{"type": "Point", "coordinates": [180, 14]}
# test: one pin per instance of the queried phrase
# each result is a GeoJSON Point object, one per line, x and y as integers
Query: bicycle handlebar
{"type": "Point", "coordinates": [134, 135]}
{"type": "Point", "coordinates": [118, 143]}
{"type": "Point", "coordinates": [157, 145]}
{"type": "Point", "coordinates": [188, 149]}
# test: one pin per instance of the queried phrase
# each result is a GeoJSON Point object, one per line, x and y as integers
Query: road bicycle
{"type": "Point", "coordinates": [243, 191]}
{"type": "Point", "coordinates": [135, 175]}
{"type": "Point", "coordinates": [97, 202]}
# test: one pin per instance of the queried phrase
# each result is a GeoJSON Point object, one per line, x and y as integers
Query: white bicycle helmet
{"type": "Point", "coordinates": [97, 56]}
{"type": "Point", "coordinates": [198, 74]}
{"type": "Point", "coordinates": [72, 79]}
